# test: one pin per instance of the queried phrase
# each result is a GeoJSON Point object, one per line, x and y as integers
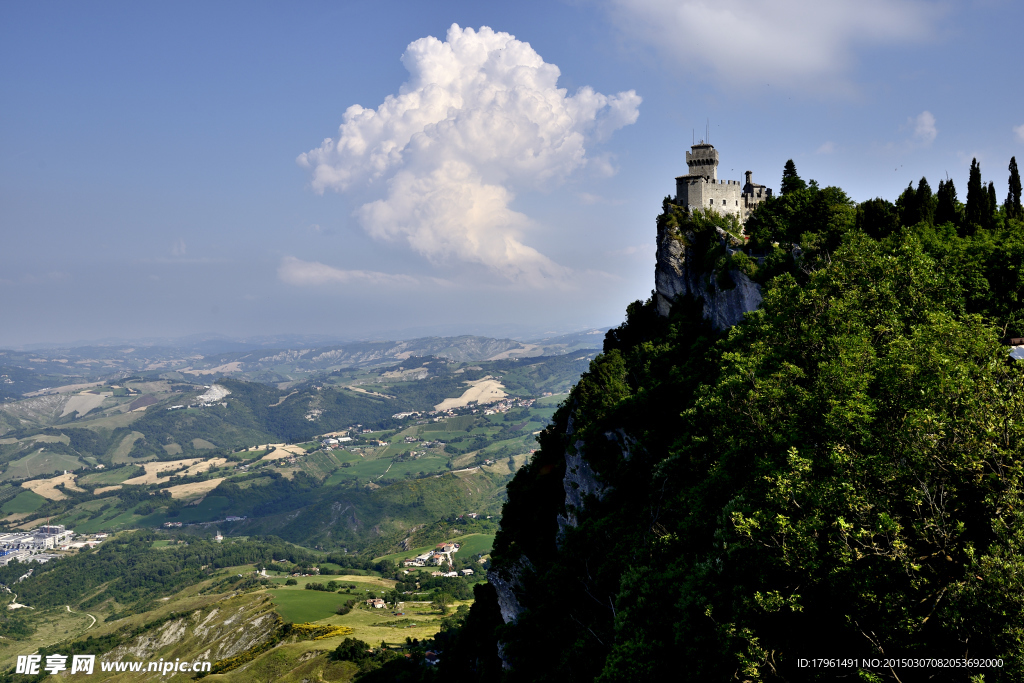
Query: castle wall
{"type": "Point", "coordinates": [700, 188]}
{"type": "Point", "coordinates": [724, 196]}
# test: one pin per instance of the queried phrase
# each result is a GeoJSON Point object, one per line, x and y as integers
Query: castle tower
{"type": "Point", "coordinates": [701, 188]}
{"type": "Point", "coordinates": [703, 161]}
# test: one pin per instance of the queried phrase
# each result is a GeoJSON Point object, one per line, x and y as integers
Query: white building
{"type": "Point", "coordinates": [45, 537]}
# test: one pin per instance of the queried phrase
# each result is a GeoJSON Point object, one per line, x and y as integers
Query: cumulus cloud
{"type": "Point", "coordinates": [826, 148]}
{"type": "Point", "coordinates": [924, 127]}
{"type": "Point", "coordinates": [802, 44]}
{"type": "Point", "coordinates": [1019, 131]}
{"type": "Point", "coordinates": [307, 273]}
{"type": "Point", "coordinates": [480, 117]}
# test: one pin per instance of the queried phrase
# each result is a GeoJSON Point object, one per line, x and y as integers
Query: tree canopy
{"type": "Point", "coordinates": [838, 475]}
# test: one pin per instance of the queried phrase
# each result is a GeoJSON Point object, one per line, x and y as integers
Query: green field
{"type": "Point", "coordinates": [470, 545]}
{"type": "Point", "coordinates": [453, 424]}
{"type": "Point", "coordinates": [40, 463]}
{"type": "Point", "coordinates": [252, 455]}
{"type": "Point", "coordinates": [109, 477]}
{"type": "Point", "coordinates": [120, 454]}
{"type": "Point", "coordinates": [371, 470]}
{"type": "Point", "coordinates": [300, 606]}
{"type": "Point", "coordinates": [474, 544]}
{"type": "Point", "coordinates": [26, 501]}
{"type": "Point", "coordinates": [212, 508]}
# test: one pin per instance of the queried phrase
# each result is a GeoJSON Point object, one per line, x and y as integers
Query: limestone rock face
{"type": "Point", "coordinates": [579, 481]}
{"type": "Point", "coordinates": [507, 583]}
{"type": "Point", "coordinates": [678, 273]}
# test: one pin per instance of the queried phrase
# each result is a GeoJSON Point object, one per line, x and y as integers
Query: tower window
{"type": "Point", "coordinates": [711, 201]}
{"type": "Point", "coordinates": [723, 202]}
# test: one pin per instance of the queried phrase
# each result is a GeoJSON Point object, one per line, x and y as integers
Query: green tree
{"type": "Point", "coordinates": [790, 180]}
{"type": "Point", "coordinates": [878, 217]}
{"type": "Point", "coordinates": [925, 201]}
{"type": "Point", "coordinates": [977, 199]}
{"type": "Point", "coordinates": [352, 650]}
{"type": "Point", "coordinates": [993, 206]}
{"type": "Point", "coordinates": [947, 209]}
{"type": "Point", "coordinates": [441, 602]}
{"type": "Point", "coordinates": [1013, 206]}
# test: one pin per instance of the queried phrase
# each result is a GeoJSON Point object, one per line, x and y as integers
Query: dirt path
{"type": "Point", "coordinates": [86, 614]}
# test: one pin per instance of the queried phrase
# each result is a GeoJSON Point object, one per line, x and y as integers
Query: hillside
{"type": "Point", "coordinates": [60, 370]}
{"type": "Point", "coordinates": [246, 450]}
{"type": "Point", "coordinates": [729, 491]}
{"type": "Point", "coordinates": [243, 609]}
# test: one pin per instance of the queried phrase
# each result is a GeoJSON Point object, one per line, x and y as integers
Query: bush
{"type": "Point", "coordinates": [291, 582]}
{"type": "Point", "coordinates": [352, 650]}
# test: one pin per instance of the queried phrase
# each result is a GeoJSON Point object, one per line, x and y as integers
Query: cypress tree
{"type": "Point", "coordinates": [925, 201]}
{"type": "Point", "coordinates": [977, 199]}
{"type": "Point", "coordinates": [945, 208]}
{"type": "Point", "coordinates": [1013, 207]}
{"type": "Point", "coordinates": [993, 206]}
{"type": "Point", "coordinates": [906, 204]}
{"type": "Point", "coordinates": [790, 180]}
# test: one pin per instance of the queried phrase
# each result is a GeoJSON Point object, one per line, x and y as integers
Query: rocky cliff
{"type": "Point", "coordinates": [679, 272]}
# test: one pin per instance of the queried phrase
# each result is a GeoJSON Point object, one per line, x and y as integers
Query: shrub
{"type": "Point", "coordinates": [352, 650]}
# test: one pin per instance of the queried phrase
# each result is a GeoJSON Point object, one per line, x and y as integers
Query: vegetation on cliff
{"type": "Point", "coordinates": [837, 476]}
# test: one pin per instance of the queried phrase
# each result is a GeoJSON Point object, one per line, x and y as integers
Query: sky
{"type": "Point", "coordinates": [397, 169]}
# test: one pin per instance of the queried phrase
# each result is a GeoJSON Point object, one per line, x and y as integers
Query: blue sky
{"type": "Point", "coordinates": [164, 170]}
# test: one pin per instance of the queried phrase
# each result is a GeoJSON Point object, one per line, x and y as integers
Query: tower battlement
{"type": "Point", "coordinates": [703, 161]}
{"type": "Point", "coordinates": [701, 188]}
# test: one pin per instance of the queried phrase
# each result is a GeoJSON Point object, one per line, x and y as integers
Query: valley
{"type": "Point", "coordinates": [331, 474]}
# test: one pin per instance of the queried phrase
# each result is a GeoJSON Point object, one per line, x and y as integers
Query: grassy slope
{"type": "Point", "coordinates": [470, 544]}
{"type": "Point", "coordinates": [39, 463]}
{"type": "Point", "coordinates": [221, 623]}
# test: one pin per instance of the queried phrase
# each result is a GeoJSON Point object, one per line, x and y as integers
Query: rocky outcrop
{"type": "Point", "coordinates": [508, 582]}
{"type": "Point", "coordinates": [579, 481]}
{"type": "Point", "coordinates": [678, 273]}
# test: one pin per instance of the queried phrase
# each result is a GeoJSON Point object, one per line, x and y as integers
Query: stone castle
{"type": "Point", "coordinates": [702, 188]}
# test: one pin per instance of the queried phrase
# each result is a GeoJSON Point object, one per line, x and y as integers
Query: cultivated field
{"type": "Point", "coordinates": [47, 488]}
{"type": "Point", "coordinates": [153, 467]}
{"type": "Point", "coordinates": [125, 447]}
{"type": "Point", "coordinates": [83, 403]}
{"type": "Point", "coordinates": [194, 489]}
{"type": "Point", "coordinates": [39, 463]}
{"type": "Point", "coordinates": [482, 391]}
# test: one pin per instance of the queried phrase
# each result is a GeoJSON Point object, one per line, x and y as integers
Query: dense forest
{"type": "Point", "coordinates": [839, 475]}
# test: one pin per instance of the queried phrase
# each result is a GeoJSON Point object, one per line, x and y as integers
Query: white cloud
{"type": "Point", "coordinates": [802, 44]}
{"type": "Point", "coordinates": [924, 127]}
{"type": "Point", "coordinates": [826, 148]}
{"type": "Point", "coordinates": [178, 248]}
{"type": "Point", "coordinates": [480, 117]}
{"type": "Point", "coordinates": [310, 273]}
{"type": "Point", "coordinates": [1019, 131]}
